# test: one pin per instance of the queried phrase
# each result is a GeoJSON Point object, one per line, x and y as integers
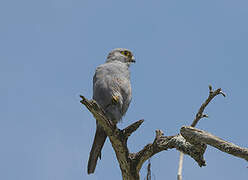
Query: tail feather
{"type": "Point", "coordinates": [100, 137]}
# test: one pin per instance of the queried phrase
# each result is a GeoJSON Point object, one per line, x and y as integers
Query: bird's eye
{"type": "Point", "coordinates": [126, 53]}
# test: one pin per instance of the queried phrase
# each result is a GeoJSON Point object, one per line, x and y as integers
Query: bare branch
{"type": "Point", "coordinates": [148, 176]}
{"type": "Point", "coordinates": [162, 143]}
{"type": "Point", "coordinates": [199, 116]}
{"type": "Point", "coordinates": [131, 128]}
{"type": "Point", "coordinates": [191, 141]}
{"type": "Point", "coordinates": [194, 135]}
{"type": "Point", "coordinates": [99, 114]}
{"type": "Point", "coordinates": [131, 163]}
{"type": "Point", "coordinates": [180, 167]}
{"type": "Point", "coordinates": [115, 136]}
{"type": "Point", "coordinates": [211, 95]}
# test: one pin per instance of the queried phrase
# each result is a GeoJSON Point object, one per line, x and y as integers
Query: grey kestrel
{"type": "Point", "coordinates": [112, 91]}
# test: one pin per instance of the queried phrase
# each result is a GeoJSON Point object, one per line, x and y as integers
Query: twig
{"type": "Point", "coordinates": [180, 167]}
{"type": "Point", "coordinates": [148, 176]}
{"type": "Point", "coordinates": [211, 95]}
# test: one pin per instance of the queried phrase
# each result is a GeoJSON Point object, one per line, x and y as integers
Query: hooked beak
{"type": "Point", "coordinates": [132, 59]}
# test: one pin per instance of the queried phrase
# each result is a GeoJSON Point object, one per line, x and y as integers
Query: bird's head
{"type": "Point", "coordinates": [121, 54]}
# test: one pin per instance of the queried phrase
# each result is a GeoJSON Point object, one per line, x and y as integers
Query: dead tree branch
{"type": "Point", "coordinates": [199, 115]}
{"type": "Point", "coordinates": [118, 141]}
{"type": "Point", "coordinates": [191, 141]}
{"type": "Point", "coordinates": [194, 135]}
{"type": "Point", "coordinates": [149, 174]}
{"type": "Point", "coordinates": [180, 167]}
{"type": "Point", "coordinates": [211, 95]}
{"type": "Point", "coordinates": [131, 163]}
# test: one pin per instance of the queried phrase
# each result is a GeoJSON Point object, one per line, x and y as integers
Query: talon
{"type": "Point", "coordinates": [115, 99]}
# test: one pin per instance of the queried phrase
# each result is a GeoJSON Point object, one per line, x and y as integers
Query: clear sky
{"type": "Point", "coordinates": [49, 50]}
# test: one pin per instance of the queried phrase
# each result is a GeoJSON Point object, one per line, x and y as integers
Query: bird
{"type": "Point", "coordinates": [112, 91]}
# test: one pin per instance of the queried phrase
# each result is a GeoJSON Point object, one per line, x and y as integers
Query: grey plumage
{"type": "Point", "coordinates": [112, 91]}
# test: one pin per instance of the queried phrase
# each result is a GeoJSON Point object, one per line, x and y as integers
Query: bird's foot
{"type": "Point", "coordinates": [115, 99]}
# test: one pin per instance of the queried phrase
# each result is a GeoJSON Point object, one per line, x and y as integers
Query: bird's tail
{"type": "Point", "coordinates": [100, 137]}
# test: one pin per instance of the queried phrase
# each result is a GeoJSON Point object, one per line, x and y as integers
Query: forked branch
{"type": "Point", "coordinates": [199, 115]}
{"type": "Point", "coordinates": [211, 95]}
{"type": "Point", "coordinates": [131, 163]}
{"type": "Point", "coordinates": [190, 141]}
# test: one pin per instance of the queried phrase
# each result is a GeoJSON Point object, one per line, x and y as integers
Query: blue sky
{"type": "Point", "coordinates": [49, 52]}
